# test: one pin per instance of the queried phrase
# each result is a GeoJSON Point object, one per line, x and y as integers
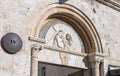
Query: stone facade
{"type": "Point", "coordinates": [98, 23]}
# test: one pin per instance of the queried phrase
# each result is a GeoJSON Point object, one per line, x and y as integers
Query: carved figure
{"type": "Point", "coordinates": [63, 42]}
{"type": "Point", "coordinates": [68, 42]}
{"type": "Point", "coordinates": [58, 40]}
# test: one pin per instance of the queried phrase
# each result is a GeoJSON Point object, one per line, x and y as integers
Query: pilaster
{"type": "Point", "coordinates": [97, 64]}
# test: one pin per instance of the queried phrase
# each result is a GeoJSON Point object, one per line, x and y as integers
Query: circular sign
{"type": "Point", "coordinates": [11, 43]}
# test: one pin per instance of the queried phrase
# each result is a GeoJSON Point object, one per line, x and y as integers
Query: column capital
{"type": "Point", "coordinates": [96, 61]}
{"type": "Point", "coordinates": [36, 48]}
{"type": "Point", "coordinates": [96, 57]}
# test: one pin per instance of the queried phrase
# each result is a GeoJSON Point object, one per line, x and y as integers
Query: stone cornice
{"type": "Point", "coordinates": [97, 54]}
{"type": "Point", "coordinates": [35, 39]}
{"type": "Point", "coordinates": [111, 3]}
{"type": "Point", "coordinates": [96, 57]}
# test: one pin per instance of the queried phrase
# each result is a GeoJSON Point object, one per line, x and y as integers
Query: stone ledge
{"type": "Point", "coordinates": [65, 51]}
{"type": "Point", "coordinates": [35, 39]}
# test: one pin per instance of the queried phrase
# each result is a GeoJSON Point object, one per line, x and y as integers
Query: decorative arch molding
{"type": "Point", "coordinates": [79, 21]}
{"type": "Point", "coordinates": [82, 25]}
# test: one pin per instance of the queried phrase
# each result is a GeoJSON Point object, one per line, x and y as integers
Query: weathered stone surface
{"type": "Point", "coordinates": [21, 17]}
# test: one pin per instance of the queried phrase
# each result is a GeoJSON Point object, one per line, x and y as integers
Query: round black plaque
{"type": "Point", "coordinates": [11, 43]}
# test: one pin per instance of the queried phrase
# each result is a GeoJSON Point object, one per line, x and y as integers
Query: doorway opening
{"type": "Point", "coordinates": [45, 69]}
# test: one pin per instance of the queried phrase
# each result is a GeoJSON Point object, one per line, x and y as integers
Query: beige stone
{"type": "Point", "coordinates": [98, 25]}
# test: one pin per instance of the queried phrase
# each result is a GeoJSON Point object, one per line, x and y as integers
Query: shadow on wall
{"type": "Point", "coordinates": [108, 72]}
{"type": "Point", "coordinates": [62, 1]}
{"type": "Point", "coordinates": [87, 64]}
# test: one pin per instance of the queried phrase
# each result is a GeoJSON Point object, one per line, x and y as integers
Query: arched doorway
{"type": "Point", "coordinates": [65, 32]}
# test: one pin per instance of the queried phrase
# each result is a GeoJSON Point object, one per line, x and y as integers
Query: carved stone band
{"type": "Point", "coordinates": [40, 40]}
{"type": "Point", "coordinates": [65, 51]}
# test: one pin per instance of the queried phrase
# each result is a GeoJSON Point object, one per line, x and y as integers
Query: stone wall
{"type": "Point", "coordinates": [22, 16]}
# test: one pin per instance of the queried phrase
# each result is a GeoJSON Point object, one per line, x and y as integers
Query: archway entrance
{"type": "Point", "coordinates": [64, 47]}
{"type": "Point", "coordinates": [66, 37]}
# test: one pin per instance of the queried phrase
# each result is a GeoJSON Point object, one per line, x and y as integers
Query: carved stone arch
{"type": "Point", "coordinates": [79, 21]}
{"type": "Point", "coordinates": [82, 25]}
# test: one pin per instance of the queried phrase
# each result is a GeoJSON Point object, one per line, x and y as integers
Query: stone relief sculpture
{"type": "Point", "coordinates": [60, 37]}
{"type": "Point", "coordinates": [58, 40]}
{"type": "Point", "coordinates": [65, 42]}
{"type": "Point", "coordinates": [68, 41]}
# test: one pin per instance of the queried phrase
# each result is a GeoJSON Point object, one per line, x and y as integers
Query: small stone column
{"type": "Point", "coordinates": [96, 60]}
{"type": "Point", "coordinates": [34, 71]}
{"type": "Point", "coordinates": [34, 59]}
